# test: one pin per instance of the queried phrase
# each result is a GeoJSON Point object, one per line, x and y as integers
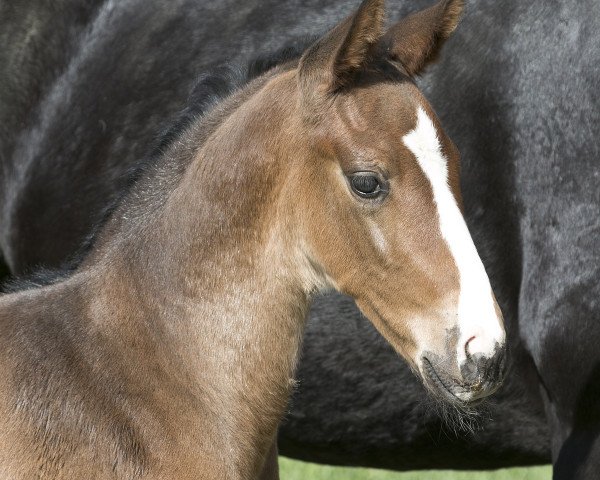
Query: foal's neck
{"type": "Point", "coordinates": [223, 278]}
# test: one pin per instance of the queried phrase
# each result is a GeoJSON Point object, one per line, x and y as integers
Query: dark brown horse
{"type": "Point", "coordinates": [170, 351]}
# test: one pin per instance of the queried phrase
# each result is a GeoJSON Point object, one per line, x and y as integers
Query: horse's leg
{"type": "Point", "coordinates": [271, 467]}
{"type": "Point", "coordinates": [562, 338]}
{"type": "Point", "coordinates": [575, 428]}
{"type": "Point", "coordinates": [573, 411]}
{"type": "Point", "coordinates": [579, 454]}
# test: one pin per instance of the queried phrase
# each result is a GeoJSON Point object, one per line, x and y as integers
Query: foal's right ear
{"type": "Point", "coordinates": [331, 62]}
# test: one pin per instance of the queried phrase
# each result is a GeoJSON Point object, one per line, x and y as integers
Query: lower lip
{"type": "Point", "coordinates": [441, 386]}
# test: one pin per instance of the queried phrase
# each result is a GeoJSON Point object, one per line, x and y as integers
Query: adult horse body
{"type": "Point", "coordinates": [523, 112]}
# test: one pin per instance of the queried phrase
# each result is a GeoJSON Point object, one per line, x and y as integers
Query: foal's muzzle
{"type": "Point", "coordinates": [479, 376]}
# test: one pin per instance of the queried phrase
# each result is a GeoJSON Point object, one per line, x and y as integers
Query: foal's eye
{"type": "Point", "coordinates": [366, 184]}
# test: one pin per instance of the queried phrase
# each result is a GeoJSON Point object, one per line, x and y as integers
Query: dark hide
{"type": "Point", "coordinates": [85, 91]}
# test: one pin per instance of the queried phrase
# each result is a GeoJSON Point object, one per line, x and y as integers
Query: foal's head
{"type": "Point", "coordinates": [382, 198]}
{"type": "Point", "coordinates": [375, 190]}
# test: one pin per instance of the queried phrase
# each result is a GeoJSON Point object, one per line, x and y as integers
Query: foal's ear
{"type": "Point", "coordinates": [330, 63]}
{"type": "Point", "coordinates": [415, 41]}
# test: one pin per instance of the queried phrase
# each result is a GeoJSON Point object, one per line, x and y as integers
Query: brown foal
{"type": "Point", "coordinates": [169, 353]}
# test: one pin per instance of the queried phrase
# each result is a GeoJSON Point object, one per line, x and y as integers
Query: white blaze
{"type": "Point", "coordinates": [476, 313]}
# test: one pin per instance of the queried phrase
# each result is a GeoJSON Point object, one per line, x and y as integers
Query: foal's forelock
{"type": "Point", "coordinates": [477, 316]}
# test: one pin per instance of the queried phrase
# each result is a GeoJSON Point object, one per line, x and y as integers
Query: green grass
{"type": "Point", "coordinates": [294, 470]}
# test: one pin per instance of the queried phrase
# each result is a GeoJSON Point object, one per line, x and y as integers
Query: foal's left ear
{"type": "Point", "coordinates": [415, 41]}
{"type": "Point", "coordinates": [331, 62]}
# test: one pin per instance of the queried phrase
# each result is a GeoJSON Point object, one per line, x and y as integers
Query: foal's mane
{"type": "Point", "coordinates": [209, 91]}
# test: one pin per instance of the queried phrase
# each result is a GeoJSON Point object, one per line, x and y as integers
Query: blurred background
{"type": "Point", "coordinates": [294, 470]}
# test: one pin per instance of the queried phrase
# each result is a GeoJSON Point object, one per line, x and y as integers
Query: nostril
{"type": "Point", "coordinates": [482, 345]}
{"type": "Point", "coordinates": [467, 352]}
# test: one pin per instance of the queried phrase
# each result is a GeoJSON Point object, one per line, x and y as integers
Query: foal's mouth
{"type": "Point", "coordinates": [455, 391]}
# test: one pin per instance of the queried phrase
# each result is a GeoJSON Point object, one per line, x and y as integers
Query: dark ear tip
{"type": "Point", "coordinates": [415, 41]}
{"type": "Point", "coordinates": [336, 57]}
{"type": "Point", "coordinates": [451, 13]}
